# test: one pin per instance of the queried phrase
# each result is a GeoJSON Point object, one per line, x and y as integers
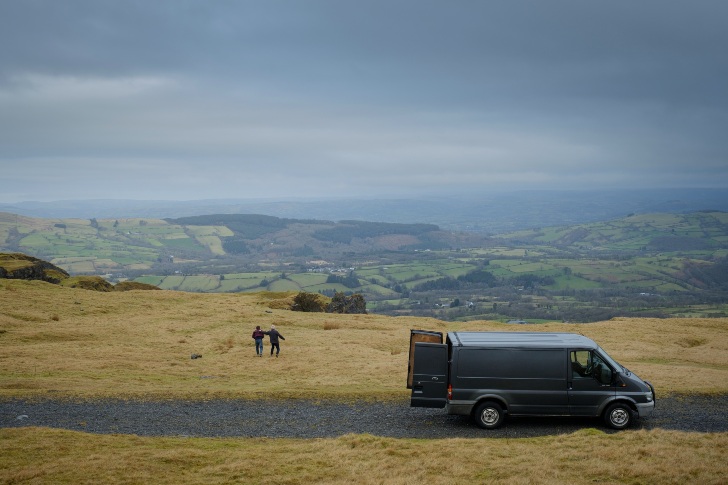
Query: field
{"type": "Point", "coordinates": [397, 284]}
{"type": "Point", "coordinates": [34, 455]}
{"type": "Point", "coordinates": [79, 344]}
{"type": "Point", "coordinates": [640, 265]}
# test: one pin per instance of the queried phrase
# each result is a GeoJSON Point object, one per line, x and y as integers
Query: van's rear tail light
{"type": "Point", "coordinates": [449, 392]}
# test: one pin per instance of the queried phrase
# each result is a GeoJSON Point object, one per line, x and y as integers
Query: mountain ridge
{"type": "Point", "coordinates": [490, 212]}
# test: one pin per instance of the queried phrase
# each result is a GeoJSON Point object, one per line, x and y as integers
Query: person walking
{"type": "Point", "coordinates": [258, 335]}
{"type": "Point", "coordinates": [274, 335]}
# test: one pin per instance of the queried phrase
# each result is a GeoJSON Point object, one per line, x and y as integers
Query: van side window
{"type": "Point", "coordinates": [580, 363]}
{"type": "Point", "coordinates": [586, 363]}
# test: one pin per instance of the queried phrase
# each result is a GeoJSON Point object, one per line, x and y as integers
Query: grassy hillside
{"type": "Point", "coordinates": [69, 342]}
{"type": "Point", "coordinates": [75, 342]}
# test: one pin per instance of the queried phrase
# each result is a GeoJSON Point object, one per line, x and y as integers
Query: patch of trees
{"type": "Point", "coordinates": [447, 283]}
{"type": "Point", "coordinates": [713, 276]}
{"type": "Point", "coordinates": [308, 302]}
{"type": "Point", "coordinates": [246, 226]}
{"type": "Point", "coordinates": [304, 251]}
{"type": "Point", "coordinates": [235, 245]}
{"type": "Point", "coordinates": [572, 313]}
{"type": "Point", "coordinates": [351, 304]}
{"type": "Point", "coordinates": [680, 243]}
{"type": "Point", "coordinates": [427, 242]}
{"type": "Point", "coordinates": [530, 280]}
{"type": "Point", "coordinates": [345, 231]}
{"type": "Point", "coordinates": [350, 281]}
{"type": "Point", "coordinates": [340, 303]}
{"type": "Point", "coordinates": [481, 278]}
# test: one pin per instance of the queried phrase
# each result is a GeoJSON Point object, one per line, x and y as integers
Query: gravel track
{"type": "Point", "coordinates": [309, 419]}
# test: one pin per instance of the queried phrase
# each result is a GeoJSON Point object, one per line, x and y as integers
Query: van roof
{"type": "Point", "coordinates": [519, 339]}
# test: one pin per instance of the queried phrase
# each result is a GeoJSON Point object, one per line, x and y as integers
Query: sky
{"type": "Point", "coordinates": [207, 99]}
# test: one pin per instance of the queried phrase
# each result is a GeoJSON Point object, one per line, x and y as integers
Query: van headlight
{"type": "Point", "coordinates": [648, 396]}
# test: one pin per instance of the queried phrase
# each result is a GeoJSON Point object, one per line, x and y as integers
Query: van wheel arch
{"type": "Point", "coordinates": [619, 415]}
{"type": "Point", "coordinates": [489, 413]}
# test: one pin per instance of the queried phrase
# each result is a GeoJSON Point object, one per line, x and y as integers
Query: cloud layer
{"type": "Point", "coordinates": [198, 99]}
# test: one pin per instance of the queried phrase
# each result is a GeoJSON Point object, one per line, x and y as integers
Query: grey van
{"type": "Point", "coordinates": [488, 375]}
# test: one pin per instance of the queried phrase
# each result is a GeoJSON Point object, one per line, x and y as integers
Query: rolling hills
{"type": "Point", "coordinates": [639, 265]}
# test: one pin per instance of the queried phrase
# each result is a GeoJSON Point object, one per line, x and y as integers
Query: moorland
{"type": "Point", "coordinates": [72, 343]}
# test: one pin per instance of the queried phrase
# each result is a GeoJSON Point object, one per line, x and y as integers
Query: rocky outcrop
{"type": "Point", "coordinates": [24, 267]}
{"type": "Point", "coordinates": [20, 266]}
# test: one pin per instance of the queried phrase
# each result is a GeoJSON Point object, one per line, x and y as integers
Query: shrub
{"type": "Point", "coordinates": [341, 303]}
{"type": "Point", "coordinates": [134, 285]}
{"type": "Point", "coordinates": [308, 302]}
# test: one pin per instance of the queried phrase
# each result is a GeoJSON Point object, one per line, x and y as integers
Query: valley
{"type": "Point", "coordinates": [650, 265]}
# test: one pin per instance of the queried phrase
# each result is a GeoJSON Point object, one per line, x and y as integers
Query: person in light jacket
{"type": "Point", "coordinates": [274, 335]}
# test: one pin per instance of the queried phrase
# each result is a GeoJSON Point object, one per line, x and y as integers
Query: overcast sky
{"type": "Point", "coordinates": [185, 100]}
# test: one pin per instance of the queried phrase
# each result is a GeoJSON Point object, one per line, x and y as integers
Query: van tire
{"type": "Point", "coordinates": [619, 416]}
{"type": "Point", "coordinates": [489, 415]}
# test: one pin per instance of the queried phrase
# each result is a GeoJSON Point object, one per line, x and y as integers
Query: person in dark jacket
{"type": "Point", "coordinates": [258, 335]}
{"type": "Point", "coordinates": [274, 335]}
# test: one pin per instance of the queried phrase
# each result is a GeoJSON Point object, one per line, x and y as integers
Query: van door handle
{"type": "Point", "coordinates": [434, 378]}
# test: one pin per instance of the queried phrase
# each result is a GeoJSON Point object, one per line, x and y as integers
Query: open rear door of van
{"type": "Point", "coordinates": [428, 370]}
{"type": "Point", "coordinates": [419, 336]}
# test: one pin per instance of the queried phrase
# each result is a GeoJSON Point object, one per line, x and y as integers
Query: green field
{"type": "Point", "coordinates": [654, 254]}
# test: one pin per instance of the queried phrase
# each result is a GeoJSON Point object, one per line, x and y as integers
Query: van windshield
{"type": "Point", "coordinates": [616, 365]}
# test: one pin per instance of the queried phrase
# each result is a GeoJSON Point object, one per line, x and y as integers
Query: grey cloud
{"type": "Point", "coordinates": [566, 93]}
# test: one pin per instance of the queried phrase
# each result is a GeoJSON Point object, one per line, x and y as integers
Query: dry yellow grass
{"type": "Point", "coordinates": [66, 342]}
{"type": "Point", "coordinates": [37, 455]}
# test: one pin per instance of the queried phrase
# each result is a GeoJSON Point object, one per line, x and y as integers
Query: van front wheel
{"type": "Point", "coordinates": [489, 415]}
{"type": "Point", "coordinates": [618, 416]}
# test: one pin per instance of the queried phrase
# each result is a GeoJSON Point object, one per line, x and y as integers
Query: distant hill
{"type": "Point", "coordinates": [492, 210]}
{"type": "Point", "coordinates": [254, 241]}
{"type": "Point", "coordinates": [654, 233]}
{"type": "Point", "coordinates": [100, 246]}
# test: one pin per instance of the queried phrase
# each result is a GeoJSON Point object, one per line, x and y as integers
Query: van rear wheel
{"type": "Point", "coordinates": [618, 416]}
{"type": "Point", "coordinates": [489, 415]}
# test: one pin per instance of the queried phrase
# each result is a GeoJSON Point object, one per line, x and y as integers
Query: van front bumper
{"type": "Point", "coordinates": [644, 410]}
